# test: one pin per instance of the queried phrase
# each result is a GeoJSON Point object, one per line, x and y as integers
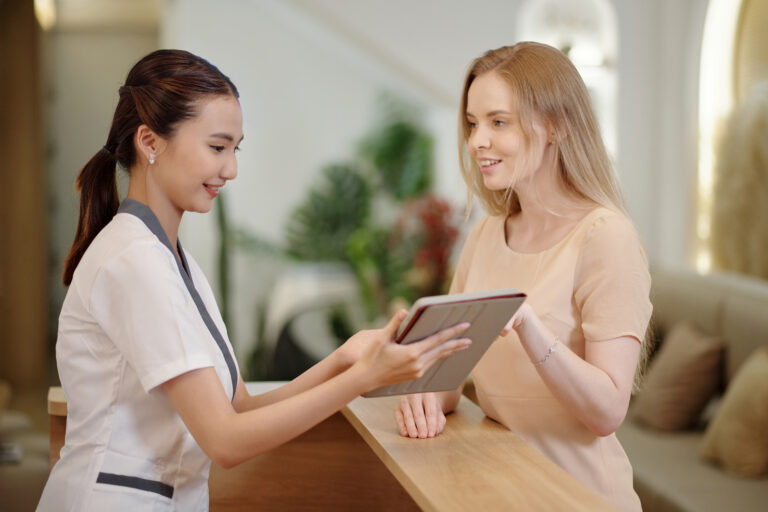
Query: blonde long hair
{"type": "Point", "coordinates": [548, 89]}
{"type": "Point", "coordinates": [546, 86]}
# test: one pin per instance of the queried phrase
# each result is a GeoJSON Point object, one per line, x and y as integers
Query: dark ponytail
{"type": "Point", "coordinates": [161, 91]}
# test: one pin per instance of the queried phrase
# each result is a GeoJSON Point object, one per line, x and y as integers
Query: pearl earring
{"type": "Point", "coordinates": [151, 158]}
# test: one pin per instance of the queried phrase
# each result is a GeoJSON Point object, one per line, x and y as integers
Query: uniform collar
{"type": "Point", "coordinates": [148, 217]}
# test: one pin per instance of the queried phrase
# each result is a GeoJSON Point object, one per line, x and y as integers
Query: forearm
{"type": "Point", "coordinates": [597, 398]}
{"type": "Point", "coordinates": [322, 371]}
{"type": "Point", "coordinates": [585, 390]}
{"type": "Point", "coordinates": [246, 435]}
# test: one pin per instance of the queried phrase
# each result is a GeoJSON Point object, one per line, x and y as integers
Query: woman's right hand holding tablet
{"type": "Point", "coordinates": [385, 362]}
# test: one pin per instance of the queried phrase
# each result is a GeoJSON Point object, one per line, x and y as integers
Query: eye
{"type": "Point", "coordinates": [499, 123]}
{"type": "Point", "coordinates": [218, 149]}
{"type": "Point", "coordinates": [237, 149]}
{"type": "Point", "coordinates": [472, 125]}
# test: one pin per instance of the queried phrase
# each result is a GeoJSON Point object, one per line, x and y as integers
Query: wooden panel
{"type": "Point", "coordinates": [57, 434]}
{"type": "Point", "coordinates": [23, 210]}
{"type": "Point", "coordinates": [328, 468]}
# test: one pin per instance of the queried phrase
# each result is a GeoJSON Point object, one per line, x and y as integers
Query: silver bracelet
{"type": "Point", "coordinates": [552, 349]}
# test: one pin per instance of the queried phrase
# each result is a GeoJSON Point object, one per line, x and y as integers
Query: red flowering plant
{"type": "Point", "coordinates": [431, 222]}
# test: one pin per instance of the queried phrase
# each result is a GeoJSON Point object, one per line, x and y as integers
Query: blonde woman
{"type": "Point", "coordinates": [561, 373]}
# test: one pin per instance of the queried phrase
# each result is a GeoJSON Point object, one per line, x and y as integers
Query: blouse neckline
{"type": "Point", "coordinates": [575, 229]}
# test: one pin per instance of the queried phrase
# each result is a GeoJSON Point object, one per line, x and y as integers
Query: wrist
{"type": "Point", "coordinates": [550, 352]}
{"type": "Point", "coordinates": [362, 377]}
{"type": "Point", "coordinates": [339, 360]}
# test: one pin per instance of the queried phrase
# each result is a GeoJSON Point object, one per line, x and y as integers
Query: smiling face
{"type": "Point", "coordinates": [199, 158]}
{"type": "Point", "coordinates": [496, 139]}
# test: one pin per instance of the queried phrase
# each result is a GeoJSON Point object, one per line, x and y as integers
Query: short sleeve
{"type": "Point", "coordinates": [140, 301]}
{"type": "Point", "coordinates": [465, 259]}
{"type": "Point", "coordinates": [612, 281]}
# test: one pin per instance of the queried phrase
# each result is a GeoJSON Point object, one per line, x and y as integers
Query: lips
{"type": "Point", "coordinates": [213, 190]}
{"type": "Point", "coordinates": [488, 165]}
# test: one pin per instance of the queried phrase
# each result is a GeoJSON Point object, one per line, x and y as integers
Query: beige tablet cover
{"type": "Point", "coordinates": [487, 312]}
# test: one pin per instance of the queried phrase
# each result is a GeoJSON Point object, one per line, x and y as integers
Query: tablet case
{"type": "Point", "coordinates": [487, 312]}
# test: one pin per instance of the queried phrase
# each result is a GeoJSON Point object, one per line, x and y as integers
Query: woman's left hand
{"type": "Point", "coordinates": [523, 313]}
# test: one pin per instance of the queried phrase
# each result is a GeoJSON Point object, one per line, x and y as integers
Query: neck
{"type": "Point", "coordinates": [543, 197]}
{"type": "Point", "coordinates": [142, 189]}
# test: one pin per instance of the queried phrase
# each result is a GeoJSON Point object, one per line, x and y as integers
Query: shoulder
{"type": "Point", "coordinates": [124, 247]}
{"type": "Point", "coordinates": [610, 241]}
{"type": "Point", "coordinates": [606, 227]}
{"type": "Point", "coordinates": [488, 225]}
{"type": "Point", "coordinates": [604, 220]}
{"type": "Point", "coordinates": [482, 233]}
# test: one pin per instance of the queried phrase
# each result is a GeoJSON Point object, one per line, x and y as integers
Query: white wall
{"type": "Point", "coordinates": [659, 47]}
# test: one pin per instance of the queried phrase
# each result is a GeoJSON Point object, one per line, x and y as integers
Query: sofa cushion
{"type": "Point", "coordinates": [737, 438]}
{"type": "Point", "coordinates": [671, 477]}
{"type": "Point", "coordinates": [682, 378]}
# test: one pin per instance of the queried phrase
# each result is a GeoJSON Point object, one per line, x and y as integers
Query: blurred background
{"type": "Point", "coordinates": [349, 199]}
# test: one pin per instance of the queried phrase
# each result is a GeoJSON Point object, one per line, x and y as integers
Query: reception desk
{"type": "Point", "coordinates": [356, 460]}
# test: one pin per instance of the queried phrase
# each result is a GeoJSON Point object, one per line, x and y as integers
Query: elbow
{"type": "Point", "coordinates": [450, 401]}
{"type": "Point", "coordinates": [226, 459]}
{"type": "Point", "coordinates": [605, 425]}
{"type": "Point", "coordinates": [224, 462]}
{"type": "Point", "coordinates": [223, 453]}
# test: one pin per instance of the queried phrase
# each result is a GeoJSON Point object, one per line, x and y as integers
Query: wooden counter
{"type": "Point", "coordinates": [356, 460]}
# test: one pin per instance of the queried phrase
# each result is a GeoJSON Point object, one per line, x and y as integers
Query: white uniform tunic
{"type": "Point", "coordinates": [133, 318]}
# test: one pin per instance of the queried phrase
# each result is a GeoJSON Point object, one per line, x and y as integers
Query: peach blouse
{"type": "Point", "coordinates": [592, 285]}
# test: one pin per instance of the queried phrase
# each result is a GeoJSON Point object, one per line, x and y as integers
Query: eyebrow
{"type": "Point", "coordinates": [492, 113]}
{"type": "Point", "coordinates": [226, 136]}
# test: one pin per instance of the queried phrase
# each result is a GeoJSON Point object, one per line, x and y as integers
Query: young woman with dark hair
{"type": "Point", "coordinates": [152, 385]}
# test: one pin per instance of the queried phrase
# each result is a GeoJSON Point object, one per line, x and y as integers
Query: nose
{"type": "Point", "coordinates": [229, 171]}
{"type": "Point", "coordinates": [479, 138]}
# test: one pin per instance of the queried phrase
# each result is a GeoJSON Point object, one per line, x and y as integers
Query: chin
{"type": "Point", "coordinates": [494, 184]}
{"type": "Point", "coordinates": [200, 208]}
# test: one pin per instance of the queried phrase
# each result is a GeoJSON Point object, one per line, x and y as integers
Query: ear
{"type": "Point", "coordinates": [556, 130]}
{"type": "Point", "coordinates": [148, 143]}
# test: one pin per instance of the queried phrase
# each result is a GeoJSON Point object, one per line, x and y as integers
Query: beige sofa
{"type": "Point", "coordinates": [669, 474]}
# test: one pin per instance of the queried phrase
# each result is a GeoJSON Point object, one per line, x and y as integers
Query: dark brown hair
{"type": "Point", "coordinates": [161, 90]}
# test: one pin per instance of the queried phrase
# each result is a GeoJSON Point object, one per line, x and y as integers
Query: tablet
{"type": "Point", "coordinates": [487, 312]}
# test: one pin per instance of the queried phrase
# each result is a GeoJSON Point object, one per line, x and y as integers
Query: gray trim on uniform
{"type": "Point", "coordinates": [146, 215]}
{"type": "Point", "coordinates": [134, 482]}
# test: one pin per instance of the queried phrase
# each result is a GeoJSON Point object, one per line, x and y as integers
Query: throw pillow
{"type": "Point", "coordinates": [737, 437]}
{"type": "Point", "coordinates": [683, 376]}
